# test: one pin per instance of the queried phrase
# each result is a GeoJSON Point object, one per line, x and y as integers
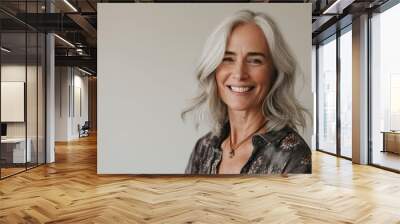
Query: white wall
{"type": "Point", "coordinates": [61, 103]}
{"type": "Point", "coordinates": [147, 55]}
{"type": "Point", "coordinates": [79, 117]}
{"type": "Point", "coordinates": [68, 81]}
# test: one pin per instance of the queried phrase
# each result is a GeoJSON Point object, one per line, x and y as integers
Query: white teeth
{"type": "Point", "coordinates": [240, 89]}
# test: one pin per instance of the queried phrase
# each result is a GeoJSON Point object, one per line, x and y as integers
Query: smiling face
{"type": "Point", "coordinates": [245, 74]}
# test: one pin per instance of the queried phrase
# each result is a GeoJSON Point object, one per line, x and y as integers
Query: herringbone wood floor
{"type": "Point", "coordinates": [70, 191]}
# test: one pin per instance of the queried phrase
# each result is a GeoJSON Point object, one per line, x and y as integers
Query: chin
{"type": "Point", "coordinates": [238, 107]}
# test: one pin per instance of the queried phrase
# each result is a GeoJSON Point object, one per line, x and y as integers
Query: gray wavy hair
{"type": "Point", "coordinates": [280, 106]}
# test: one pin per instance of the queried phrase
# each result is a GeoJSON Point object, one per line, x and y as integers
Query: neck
{"type": "Point", "coordinates": [244, 123]}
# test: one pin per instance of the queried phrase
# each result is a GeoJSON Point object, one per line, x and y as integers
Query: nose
{"type": "Point", "coordinates": [239, 70]}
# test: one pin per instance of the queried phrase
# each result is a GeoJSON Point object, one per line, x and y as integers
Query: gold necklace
{"type": "Point", "coordinates": [232, 152]}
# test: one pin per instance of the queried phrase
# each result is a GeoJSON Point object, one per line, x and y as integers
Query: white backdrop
{"type": "Point", "coordinates": [147, 54]}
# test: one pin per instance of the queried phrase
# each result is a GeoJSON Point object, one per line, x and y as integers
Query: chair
{"type": "Point", "coordinates": [84, 130]}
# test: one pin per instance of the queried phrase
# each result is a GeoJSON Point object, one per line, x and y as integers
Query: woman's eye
{"type": "Point", "coordinates": [255, 61]}
{"type": "Point", "coordinates": [227, 59]}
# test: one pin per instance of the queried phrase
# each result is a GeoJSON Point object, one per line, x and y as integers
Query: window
{"type": "Point", "coordinates": [327, 96]}
{"type": "Point", "coordinates": [385, 88]}
{"type": "Point", "coordinates": [346, 93]}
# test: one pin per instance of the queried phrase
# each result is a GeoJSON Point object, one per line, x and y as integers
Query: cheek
{"type": "Point", "coordinates": [264, 79]}
{"type": "Point", "coordinates": [220, 78]}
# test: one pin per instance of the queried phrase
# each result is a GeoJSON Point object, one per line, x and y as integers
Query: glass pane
{"type": "Point", "coordinates": [31, 101]}
{"type": "Point", "coordinates": [327, 97]}
{"type": "Point", "coordinates": [13, 86]}
{"type": "Point", "coordinates": [23, 89]}
{"type": "Point", "coordinates": [32, 85]}
{"type": "Point", "coordinates": [41, 99]}
{"type": "Point", "coordinates": [346, 94]}
{"type": "Point", "coordinates": [385, 86]}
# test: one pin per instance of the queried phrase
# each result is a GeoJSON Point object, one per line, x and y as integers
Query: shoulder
{"type": "Point", "coordinates": [204, 143]}
{"type": "Point", "coordinates": [200, 156]}
{"type": "Point", "coordinates": [293, 143]}
{"type": "Point", "coordinates": [205, 139]}
{"type": "Point", "coordinates": [286, 151]}
{"type": "Point", "coordinates": [297, 151]}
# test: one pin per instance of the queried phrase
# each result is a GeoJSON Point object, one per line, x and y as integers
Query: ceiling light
{"type": "Point", "coordinates": [337, 7]}
{"type": "Point", "coordinates": [84, 71]}
{"type": "Point", "coordinates": [79, 51]}
{"type": "Point", "coordinates": [64, 40]}
{"type": "Point", "coordinates": [329, 9]}
{"type": "Point", "coordinates": [70, 5]}
{"type": "Point", "coordinates": [5, 50]}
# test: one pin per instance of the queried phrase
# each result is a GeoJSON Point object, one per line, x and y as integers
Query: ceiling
{"type": "Point", "coordinates": [76, 22]}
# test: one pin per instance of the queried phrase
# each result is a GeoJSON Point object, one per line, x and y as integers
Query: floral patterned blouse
{"type": "Point", "coordinates": [274, 152]}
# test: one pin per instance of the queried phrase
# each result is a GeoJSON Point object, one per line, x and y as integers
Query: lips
{"type": "Point", "coordinates": [240, 89]}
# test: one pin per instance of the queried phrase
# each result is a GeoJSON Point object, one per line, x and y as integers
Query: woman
{"type": "Point", "coordinates": [246, 81]}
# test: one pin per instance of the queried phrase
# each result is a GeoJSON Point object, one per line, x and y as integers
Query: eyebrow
{"type": "Point", "coordinates": [248, 54]}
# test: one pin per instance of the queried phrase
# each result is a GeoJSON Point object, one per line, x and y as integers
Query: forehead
{"type": "Point", "coordinates": [247, 37]}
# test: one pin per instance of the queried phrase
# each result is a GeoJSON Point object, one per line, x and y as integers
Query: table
{"type": "Point", "coordinates": [391, 141]}
{"type": "Point", "coordinates": [13, 150]}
